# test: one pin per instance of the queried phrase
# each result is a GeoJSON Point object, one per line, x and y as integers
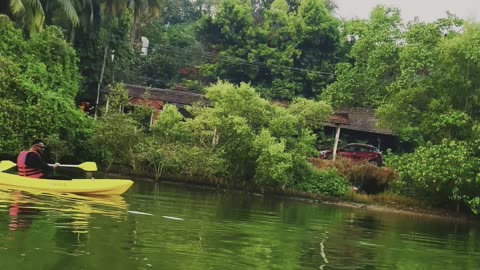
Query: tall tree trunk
{"type": "Point", "coordinates": [101, 79]}
{"type": "Point", "coordinates": [72, 34]}
{"type": "Point", "coordinates": [134, 29]}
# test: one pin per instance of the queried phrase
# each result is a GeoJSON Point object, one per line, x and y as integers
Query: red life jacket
{"type": "Point", "coordinates": [23, 170]}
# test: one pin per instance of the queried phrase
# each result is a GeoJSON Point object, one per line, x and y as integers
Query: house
{"type": "Point", "coordinates": [360, 125]}
{"type": "Point", "coordinates": [157, 98]}
{"type": "Point", "coordinates": [353, 124]}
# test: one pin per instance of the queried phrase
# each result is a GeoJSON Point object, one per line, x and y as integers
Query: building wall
{"type": "Point", "coordinates": [157, 105]}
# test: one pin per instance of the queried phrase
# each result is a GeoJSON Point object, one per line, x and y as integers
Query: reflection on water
{"type": "Point", "coordinates": [20, 212]}
{"type": "Point", "coordinates": [42, 230]}
{"type": "Point", "coordinates": [71, 212]}
{"type": "Point", "coordinates": [176, 227]}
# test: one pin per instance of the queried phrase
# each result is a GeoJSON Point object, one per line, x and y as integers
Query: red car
{"type": "Point", "coordinates": [356, 151]}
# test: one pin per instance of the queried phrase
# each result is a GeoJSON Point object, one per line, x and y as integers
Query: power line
{"type": "Point", "coordinates": [237, 60]}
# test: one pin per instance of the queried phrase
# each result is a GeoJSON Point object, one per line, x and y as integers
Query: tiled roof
{"type": "Point", "coordinates": [353, 118]}
{"type": "Point", "coordinates": [179, 98]}
{"type": "Point", "coordinates": [339, 118]}
{"type": "Point", "coordinates": [360, 119]}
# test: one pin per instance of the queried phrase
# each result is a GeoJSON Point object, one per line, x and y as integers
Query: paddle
{"type": "Point", "coordinates": [6, 164]}
{"type": "Point", "coordinates": [86, 166]}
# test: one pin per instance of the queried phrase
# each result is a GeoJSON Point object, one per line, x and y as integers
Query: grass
{"type": "Point", "coordinates": [386, 198]}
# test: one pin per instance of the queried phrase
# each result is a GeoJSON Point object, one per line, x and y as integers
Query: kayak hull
{"type": "Point", "coordinates": [76, 186]}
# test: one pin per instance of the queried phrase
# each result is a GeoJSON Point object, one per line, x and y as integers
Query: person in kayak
{"type": "Point", "coordinates": [30, 163]}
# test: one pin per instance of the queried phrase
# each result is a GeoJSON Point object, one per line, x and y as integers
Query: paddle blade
{"type": "Point", "coordinates": [88, 166]}
{"type": "Point", "coordinates": [6, 164]}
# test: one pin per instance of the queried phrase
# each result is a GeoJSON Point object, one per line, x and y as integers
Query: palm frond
{"type": "Point", "coordinates": [16, 6]}
{"type": "Point", "coordinates": [33, 15]}
{"type": "Point", "coordinates": [34, 5]}
{"type": "Point", "coordinates": [68, 7]}
{"type": "Point", "coordinates": [30, 13]}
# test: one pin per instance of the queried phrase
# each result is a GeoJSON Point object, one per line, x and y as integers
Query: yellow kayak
{"type": "Point", "coordinates": [77, 186]}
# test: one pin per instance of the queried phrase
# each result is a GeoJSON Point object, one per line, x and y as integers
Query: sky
{"type": "Point", "coordinates": [426, 10]}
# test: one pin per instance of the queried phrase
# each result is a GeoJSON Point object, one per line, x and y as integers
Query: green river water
{"type": "Point", "coordinates": [166, 226]}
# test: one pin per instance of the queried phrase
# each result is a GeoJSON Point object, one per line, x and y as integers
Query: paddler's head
{"type": "Point", "coordinates": [38, 146]}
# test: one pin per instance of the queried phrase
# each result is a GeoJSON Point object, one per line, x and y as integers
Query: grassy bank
{"type": "Point", "coordinates": [378, 177]}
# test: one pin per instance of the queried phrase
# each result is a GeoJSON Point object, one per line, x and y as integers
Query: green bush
{"type": "Point", "coordinates": [39, 81]}
{"type": "Point", "coordinates": [115, 139]}
{"type": "Point", "coordinates": [442, 174]}
{"type": "Point", "coordinates": [325, 182]}
{"type": "Point", "coordinates": [274, 164]}
{"type": "Point", "coordinates": [200, 162]}
{"type": "Point", "coordinates": [241, 138]}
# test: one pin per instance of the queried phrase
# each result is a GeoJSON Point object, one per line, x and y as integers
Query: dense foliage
{"type": "Point", "coordinates": [448, 172]}
{"type": "Point", "coordinates": [373, 60]}
{"type": "Point", "coordinates": [39, 81]}
{"type": "Point", "coordinates": [240, 138]}
{"type": "Point", "coordinates": [421, 76]}
{"type": "Point", "coordinates": [422, 79]}
{"type": "Point", "coordinates": [286, 54]}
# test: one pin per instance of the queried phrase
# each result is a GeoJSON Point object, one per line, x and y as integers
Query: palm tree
{"type": "Point", "coordinates": [138, 6]}
{"type": "Point", "coordinates": [31, 13]}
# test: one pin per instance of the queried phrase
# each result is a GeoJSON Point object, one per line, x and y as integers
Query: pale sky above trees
{"type": "Point", "coordinates": [426, 10]}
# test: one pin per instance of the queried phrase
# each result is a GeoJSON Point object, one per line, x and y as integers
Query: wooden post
{"type": "Point", "coordinates": [106, 107]}
{"type": "Point", "coordinates": [151, 119]}
{"type": "Point", "coordinates": [335, 144]}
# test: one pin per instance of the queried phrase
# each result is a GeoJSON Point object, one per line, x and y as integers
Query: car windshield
{"type": "Point", "coordinates": [358, 148]}
{"type": "Point", "coordinates": [349, 148]}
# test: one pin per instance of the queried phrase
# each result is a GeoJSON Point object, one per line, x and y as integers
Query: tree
{"type": "Point", "coordinates": [39, 81]}
{"type": "Point", "coordinates": [319, 46]}
{"type": "Point", "coordinates": [116, 139]}
{"type": "Point", "coordinates": [284, 54]}
{"type": "Point", "coordinates": [374, 61]}
{"type": "Point", "coordinates": [435, 97]}
{"type": "Point", "coordinates": [143, 6]}
{"type": "Point", "coordinates": [230, 34]}
{"type": "Point", "coordinates": [173, 54]}
{"type": "Point", "coordinates": [274, 163]}
{"type": "Point", "coordinates": [259, 142]}
{"type": "Point", "coordinates": [33, 14]}
{"type": "Point", "coordinates": [278, 39]}
{"type": "Point", "coordinates": [96, 44]}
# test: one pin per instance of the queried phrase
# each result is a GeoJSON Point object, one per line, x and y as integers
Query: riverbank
{"type": "Point", "coordinates": [382, 203]}
{"type": "Point", "coordinates": [378, 203]}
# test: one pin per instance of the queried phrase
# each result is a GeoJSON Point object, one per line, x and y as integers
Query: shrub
{"type": "Point", "coordinates": [115, 140]}
{"type": "Point", "coordinates": [325, 182]}
{"type": "Point", "coordinates": [444, 173]}
{"type": "Point", "coordinates": [363, 175]}
{"type": "Point", "coordinates": [199, 162]}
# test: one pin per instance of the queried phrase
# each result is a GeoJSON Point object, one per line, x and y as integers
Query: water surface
{"type": "Point", "coordinates": [165, 226]}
